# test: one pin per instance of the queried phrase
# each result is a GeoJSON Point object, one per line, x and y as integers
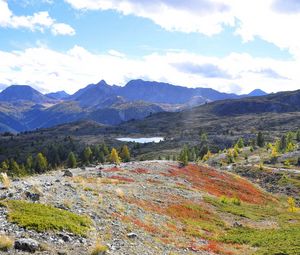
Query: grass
{"type": "Point", "coordinates": [6, 182]}
{"type": "Point", "coordinates": [250, 211]}
{"type": "Point", "coordinates": [99, 249]}
{"type": "Point", "coordinates": [6, 243]}
{"type": "Point", "coordinates": [42, 218]}
{"type": "Point", "coordinates": [269, 241]}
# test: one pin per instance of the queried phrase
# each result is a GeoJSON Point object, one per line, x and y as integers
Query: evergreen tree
{"type": "Point", "coordinates": [230, 156]}
{"type": "Point", "coordinates": [53, 156]}
{"type": "Point", "coordinates": [114, 157]}
{"type": "Point", "coordinates": [260, 140]}
{"type": "Point", "coordinates": [290, 147]}
{"type": "Point", "coordinates": [101, 157]}
{"type": "Point", "coordinates": [289, 137]}
{"type": "Point", "coordinates": [240, 143]}
{"type": "Point", "coordinates": [298, 135]}
{"type": "Point", "coordinates": [41, 163]}
{"type": "Point", "coordinates": [4, 166]}
{"type": "Point", "coordinates": [283, 143]}
{"type": "Point", "coordinates": [105, 149]}
{"type": "Point", "coordinates": [87, 155]}
{"type": "Point", "coordinates": [72, 162]}
{"type": "Point", "coordinates": [14, 166]}
{"type": "Point", "coordinates": [29, 163]}
{"type": "Point", "coordinates": [125, 154]}
{"type": "Point", "coordinates": [203, 147]}
{"type": "Point", "coordinates": [184, 156]}
{"type": "Point", "coordinates": [192, 154]}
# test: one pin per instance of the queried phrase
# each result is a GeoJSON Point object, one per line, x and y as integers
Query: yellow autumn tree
{"type": "Point", "coordinates": [114, 157]}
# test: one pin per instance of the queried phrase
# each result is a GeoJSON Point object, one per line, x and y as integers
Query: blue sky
{"type": "Point", "coordinates": [64, 45]}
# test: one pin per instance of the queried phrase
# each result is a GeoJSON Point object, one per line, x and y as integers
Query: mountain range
{"type": "Point", "coordinates": [24, 108]}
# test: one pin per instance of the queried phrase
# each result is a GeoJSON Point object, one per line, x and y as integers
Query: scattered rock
{"type": "Point", "coordinates": [32, 196]}
{"type": "Point", "coordinates": [237, 224]}
{"type": "Point", "coordinates": [62, 253]}
{"type": "Point", "coordinates": [65, 237]}
{"type": "Point", "coordinates": [27, 244]}
{"type": "Point", "coordinates": [68, 173]}
{"type": "Point", "coordinates": [132, 235]}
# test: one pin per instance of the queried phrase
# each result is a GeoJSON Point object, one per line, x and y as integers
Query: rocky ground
{"type": "Point", "coordinates": [151, 207]}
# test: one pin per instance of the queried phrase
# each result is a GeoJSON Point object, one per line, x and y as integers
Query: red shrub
{"type": "Point", "coordinates": [219, 183]}
{"type": "Point", "coordinates": [113, 170]}
{"type": "Point", "coordinates": [140, 171]}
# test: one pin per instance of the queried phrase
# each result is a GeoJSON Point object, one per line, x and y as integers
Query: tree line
{"type": "Point", "coordinates": [56, 156]}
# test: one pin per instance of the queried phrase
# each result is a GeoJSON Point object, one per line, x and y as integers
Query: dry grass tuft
{"type": "Point", "coordinates": [120, 193]}
{"type": "Point", "coordinates": [5, 180]}
{"type": "Point", "coordinates": [99, 249]}
{"type": "Point", "coordinates": [5, 243]}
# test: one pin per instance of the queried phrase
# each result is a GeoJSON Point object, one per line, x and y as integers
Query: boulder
{"type": "Point", "coordinates": [68, 173]}
{"type": "Point", "coordinates": [132, 235]}
{"type": "Point", "coordinates": [27, 244]}
{"type": "Point", "coordinates": [32, 196]}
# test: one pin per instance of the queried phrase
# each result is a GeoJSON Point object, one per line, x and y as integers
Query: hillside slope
{"type": "Point", "coordinates": [150, 207]}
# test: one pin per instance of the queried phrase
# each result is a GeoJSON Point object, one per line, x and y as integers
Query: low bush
{"type": "Point", "coordinates": [42, 217]}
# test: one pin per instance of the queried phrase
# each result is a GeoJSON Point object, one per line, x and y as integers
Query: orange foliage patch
{"type": "Point", "coordinates": [219, 183]}
{"type": "Point", "coordinates": [121, 178]}
{"type": "Point", "coordinates": [215, 247]}
{"type": "Point", "coordinates": [140, 171]}
{"type": "Point", "coordinates": [113, 170]}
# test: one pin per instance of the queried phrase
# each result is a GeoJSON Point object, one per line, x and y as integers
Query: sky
{"type": "Point", "coordinates": [228, 45]}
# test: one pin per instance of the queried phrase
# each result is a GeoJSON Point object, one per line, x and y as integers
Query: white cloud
{"type": "Point", "coordinates": [203, 16]}
{"type": "Point", "coordinates": [53, 71]}
{"type": "Point", "coordinates": [62, 29]}
{"type": "Point", "coordinates": [37, 22]}
{"type": "Point", "coordinates": [275, 21]}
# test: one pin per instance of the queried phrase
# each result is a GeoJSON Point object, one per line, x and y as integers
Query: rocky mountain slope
{"type": "Point", "coordinates": [151, 207]}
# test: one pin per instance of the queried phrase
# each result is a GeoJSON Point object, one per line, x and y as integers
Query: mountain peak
{"type": "Point", "coordinates": [102, 83]}
{"type": "Point", "coordinates": [22, 93]}
{"type": "Point", "coordinates": [257, 92]}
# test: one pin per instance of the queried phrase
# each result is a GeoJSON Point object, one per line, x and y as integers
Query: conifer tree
{"type": "Point", "coordinates": [114, 157]}
{"type": "Point", "coordinates": [298, 135]}
{"type": "Point", "coordinates": [260, 140]}
{"type": "Point", "coordinates": [14, 166]}
{"type": "Point", "coordinates": [240, 143]}
{"type": "Point", "coordinates": [101, 157]}
{"type": "Point", "coordinates": [283, 143]}
{"type": "Point", "coordinates": [87, 155]}
{"type": "Point", "coordinates": [29, 163]}
{"type": "Point", "coordinates": [184, 156]}
{"type": "Point", "coordinates": [41, 163]}
{"type": "Point", "coordinates": [72, 162]}
{"type": "Point", "coordinates": [4, 166]}
{"type": "Point", "coordinates": [125, 154]}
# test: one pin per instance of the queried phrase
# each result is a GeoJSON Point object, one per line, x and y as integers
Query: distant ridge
{"type": "Point", "coordinates": [59, 95]}
{"type": "Point", "coordinates": [22, 93]}
{"type": "Point", "coordinates": [24, 108]}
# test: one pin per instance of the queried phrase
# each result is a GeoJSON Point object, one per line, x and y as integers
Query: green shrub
{"type": "Point", "coordinates": [42, 217]}
{"type": "Point", "coordinates": [269, 241]}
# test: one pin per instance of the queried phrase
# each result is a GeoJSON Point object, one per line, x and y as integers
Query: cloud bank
{"type": "Point", "coordinates": [37, 22]}
{"type": "Point", "coordinates": [70, 71]}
